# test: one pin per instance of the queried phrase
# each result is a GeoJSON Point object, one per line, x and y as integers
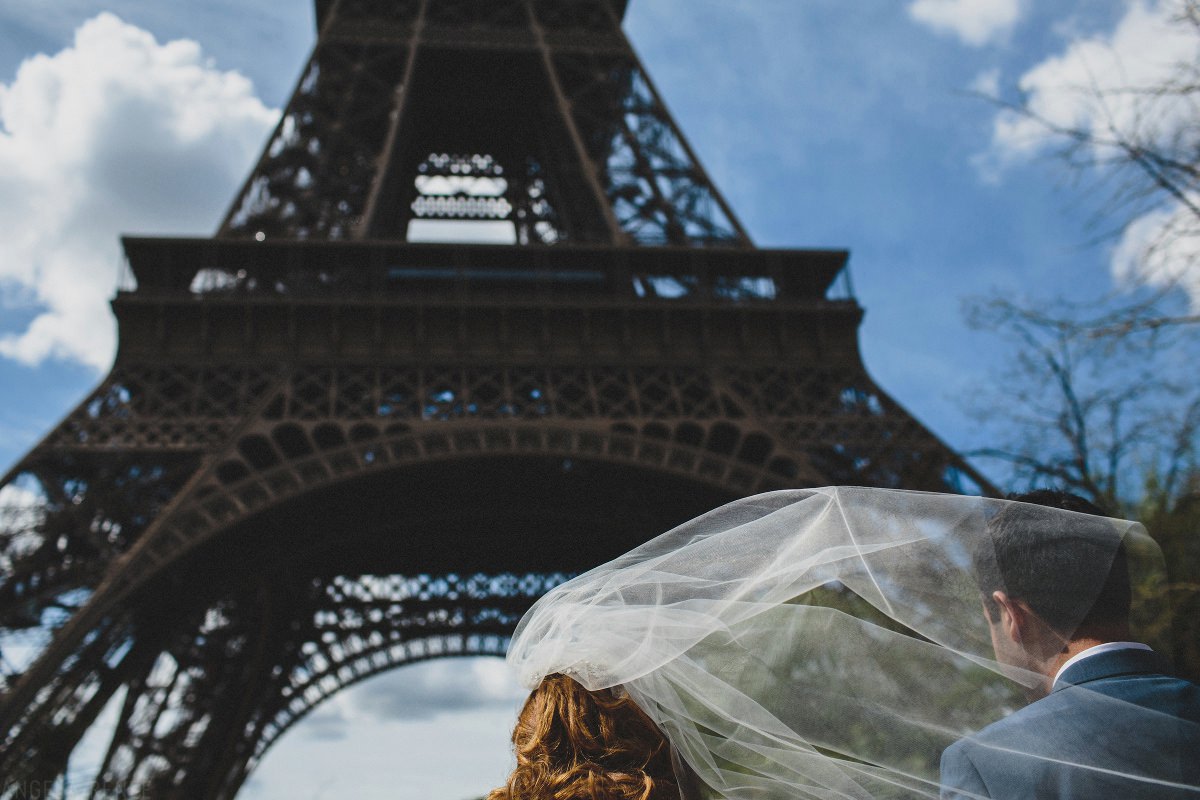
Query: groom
{"type": "Point", "coordinates": [1112, 723]}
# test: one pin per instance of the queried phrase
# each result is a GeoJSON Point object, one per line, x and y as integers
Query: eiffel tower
{"type": "Point", "coordinates": [335, 441]}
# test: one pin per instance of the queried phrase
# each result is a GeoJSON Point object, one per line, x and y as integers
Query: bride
{"type": "Point", "coordinates": [859, 643]}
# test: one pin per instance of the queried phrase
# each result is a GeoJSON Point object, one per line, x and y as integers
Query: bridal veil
{"type": "Point", "coordinates": [817, 643]}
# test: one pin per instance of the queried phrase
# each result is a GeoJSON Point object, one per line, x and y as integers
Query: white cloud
{"type": "Point", "coordinates": [434, 729]}
{"type": "Point", "coordinates": [114, 134]}
{"type": "Point", "coordinates": [1087, 87]}
{"type": "Point", "coordinates": [14, 496]}
{"type": "Point", "coordinates": [1162, 249]}
{"type": "Point", "coordinates": [21, 512]}
{"type": "Point", "coordinates": [328, 722]}
{"type": "Point", "coordinates": [987, 83]}
{"type": "Point", "coordinates": [1102, 84]}
{"type": "Point", "coordinates": [445, 687]}
{"type": "Point", "coordinates": [975, 22]}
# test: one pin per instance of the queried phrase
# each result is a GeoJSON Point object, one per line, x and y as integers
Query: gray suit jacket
{"type": "Point", "coordinates": [1116, 712]}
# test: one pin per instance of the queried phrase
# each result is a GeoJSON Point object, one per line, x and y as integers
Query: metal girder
{"type": "Point", "coordinates": [326, 450]}
{"type": "Point", "coordinates": [547, 91]}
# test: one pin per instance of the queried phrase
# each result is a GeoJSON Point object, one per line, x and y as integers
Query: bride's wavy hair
{"type": "Point", "coordinates": [574, 744]}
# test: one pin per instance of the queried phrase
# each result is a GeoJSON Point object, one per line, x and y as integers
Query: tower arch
{"type": "Point", "coordinates": [351, 579]}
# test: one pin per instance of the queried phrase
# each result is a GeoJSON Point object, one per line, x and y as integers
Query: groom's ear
{"type": "Point", "coordinates": [1014, 615]}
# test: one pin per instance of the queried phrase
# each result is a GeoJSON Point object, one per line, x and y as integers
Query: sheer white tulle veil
{"type": "Point", "coordinates": [818, 643]}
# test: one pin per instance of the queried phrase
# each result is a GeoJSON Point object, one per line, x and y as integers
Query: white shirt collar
{"type": "Point", "coordinates": [1096, 650]}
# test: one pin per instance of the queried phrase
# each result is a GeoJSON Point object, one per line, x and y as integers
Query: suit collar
{"type": "Point", "coordinates": [1111, 665]}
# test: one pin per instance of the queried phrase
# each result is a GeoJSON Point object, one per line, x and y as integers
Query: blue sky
{"type": "Point", "coordinates": [826, 123]}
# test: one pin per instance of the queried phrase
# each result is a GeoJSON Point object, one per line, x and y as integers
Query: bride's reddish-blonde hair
{"type": "Point", "coordinates": [573, 744]}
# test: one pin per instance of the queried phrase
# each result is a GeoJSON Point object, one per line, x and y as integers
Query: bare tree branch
{"type": "Point", "coordinates": [1099, 395]}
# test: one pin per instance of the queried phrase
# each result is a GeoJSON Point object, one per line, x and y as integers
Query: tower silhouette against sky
{"type": "Point", "coordinates": [337, 440]}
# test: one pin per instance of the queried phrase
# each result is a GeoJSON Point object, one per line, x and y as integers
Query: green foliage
{"type": "Point", "coordinates": [1175, 525]}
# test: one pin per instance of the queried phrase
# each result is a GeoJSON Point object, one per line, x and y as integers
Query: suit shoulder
{"type": "Point", "coordinates": [959, 775]}
{"type": "Point", "coordinates": [1033, 717]}
{"type": "Point", "coordinates": [1165, 693]}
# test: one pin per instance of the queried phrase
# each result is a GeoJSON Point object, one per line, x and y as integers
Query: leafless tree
{"type": "Point", "coordinates": [1101, 396]}
{"type": "Point", "coordinates": [1101, 415]}
{"type": "Point", "coordinates": [1140, 143]}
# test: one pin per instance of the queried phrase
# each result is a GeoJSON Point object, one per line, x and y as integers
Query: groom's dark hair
{"type": "Point", "coordinates": [1070, 569]}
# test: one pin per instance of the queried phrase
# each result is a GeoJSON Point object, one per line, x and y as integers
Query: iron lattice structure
{"type": "Point", "coordinates": [328, 448]}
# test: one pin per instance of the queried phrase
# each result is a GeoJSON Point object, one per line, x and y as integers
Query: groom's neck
{"type": "Point", "coordinates": [1084, 640]}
